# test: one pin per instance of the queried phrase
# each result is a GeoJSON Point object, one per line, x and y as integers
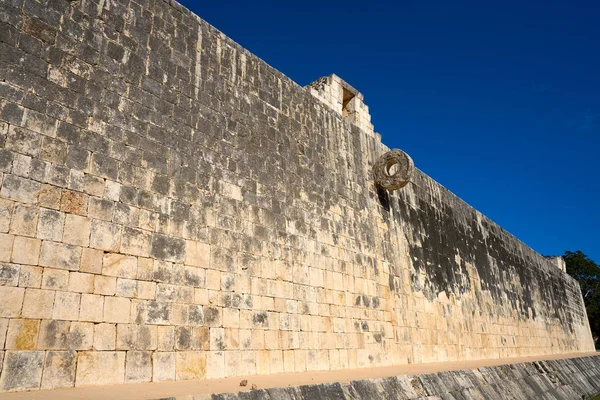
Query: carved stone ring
{"type": "Point", "coordinates": [393, 169]}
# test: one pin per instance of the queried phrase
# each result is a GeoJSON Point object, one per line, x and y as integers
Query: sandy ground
{"type": "Point", "coordinates": [139, 391]}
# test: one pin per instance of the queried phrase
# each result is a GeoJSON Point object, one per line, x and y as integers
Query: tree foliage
{"type": "Point", "coordinates": [587, 273]}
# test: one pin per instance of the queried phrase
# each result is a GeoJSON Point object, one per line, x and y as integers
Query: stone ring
{"type": "Point", "coordinates": [393, 169]}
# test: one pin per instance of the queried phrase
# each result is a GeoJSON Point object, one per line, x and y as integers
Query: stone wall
{"type": "Point", "coordinates": [566, 379]}
{"type": "Point", "coordinates": [171, 207]}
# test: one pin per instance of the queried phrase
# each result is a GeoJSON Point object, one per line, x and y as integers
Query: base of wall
{"type": "Point", "coordinates": [561, 376]}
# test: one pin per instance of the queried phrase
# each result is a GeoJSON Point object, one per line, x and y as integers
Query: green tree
{"type": "Point", "coordinates": [587, 273]}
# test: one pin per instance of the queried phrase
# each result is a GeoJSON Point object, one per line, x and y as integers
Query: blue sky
{"type": "Point", "coordinates": [498, 101]}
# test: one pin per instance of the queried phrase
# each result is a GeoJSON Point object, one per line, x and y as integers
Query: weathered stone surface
{"type": "Point", "coordinates": [171, 207]}
{"type": "Point", "coordinates": [100, 368]}
{"type": "Point", "coordinates": [59, 369]}
{"type": "Point", "coordinates": [22, 370]}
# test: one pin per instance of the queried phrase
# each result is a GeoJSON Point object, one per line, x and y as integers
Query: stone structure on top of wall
{"type": "Point", "coordinates": [171, 208]}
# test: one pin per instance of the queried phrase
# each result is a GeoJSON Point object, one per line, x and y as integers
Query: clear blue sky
{"type": "Point", "coordinates": [498, 101]}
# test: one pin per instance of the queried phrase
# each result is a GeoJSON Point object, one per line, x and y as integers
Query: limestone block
{"type": "Point", "coordinates": [12, 301]}
{"type": "Point", "coordinates": [212, 316]}
{"type": "Point", "coordinates": [233, 363]}
{"type": "Point", "coordinates": [146, 290]}
{"type": "Point", "coordinates": [138, 366]}
{"type": "Point", "coordinates": [136, 242]}
{"type": "Point", "coordinates": [60, 255]}
{"type": "Point", "coordinates": [74, 202]}
{"type": "Point", "coordinates": [30, 276]}
{"type": "Point", "coordinates": [190, 365]}
{"type": "Point", "coordinates": [126, 288]}
{"type": "Point", "coordinates": [26, 250]}
{"type": "Point", "coordinates": [50, 225]}
{"type": "Point", "coordinates": [6, 246]}
{"type": "Point", "coordinates": [163, 366]}
{"type": "Point", "coordinates": [91, 260]}
{"type": "Point", "coordinates": [106, 285]}
{"type": "Point", "coordinates": [100, 368]}
{"type": "Point", "coordinates": [197, 254]}
{"type": "Point", "coordinates": [66, 306]}
{"type": "Point", "coordinates": [6, 209]}
{"type": "Point", "coordinates": [3, 331]}
{"type": "Point", "coordinates": [59, 369]}
{"type": "Point", "coordinates": [77, 230]}
{"type": "Point", "coordinates": [145, 270]}
{"type": "Point", "coordinates": [37, 303]}
{"type": "Point", "coordinates": [81, 336]}
{"type": "Point", "coordinates": [55, 279]}
{"type": "Point", "coordinates": [117, 310]}
{"type": "Point", "coordinates": [105, 336]}
{"type": "Point", "coordinates": [54, 335]}
{"type": "Point", "coordinates": [19, 189]}
{"type": "Point", "coordinates": [49, 197]}
{"type": "Point", "coordinates": [9, 274]}
{"type": "Point", "coordinates": [22, 370]}
{"type": "Point", "coordinates": [22, 334]}
{"type": "Point", "coordinates": [159, 312]}
{"type": "Point", "coordinates": [92, 308]}
{"type": "Point", "coordinates": [105, 236]}
{"type": "Point", "coordinates": [167, 248]}
{"type": "Point", "coordinates": [24, 220]}
{"type": "Point", "coordinates": [166, 338]}
{"type": "Point", "coordinates": [81, 283]}
{"type": "Point", "coordinates": [119, 265]}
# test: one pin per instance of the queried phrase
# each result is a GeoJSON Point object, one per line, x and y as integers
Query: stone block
{"type": "Point", "coordinates": [126, 288]}
{"type": "Point", "coordinates": [66, 306]}
{"type": "Point", "coordinates": [100, 368]}
{"type": "Point", "coordinates": [6, 246]}
{"type": "Point", "coordinates": [146, 290]}
{"type": "Point", "coordinates": [215, 364]}
{"type": "Point", "coordinates": [6, 210]}
{"type": "Point", "coordinates": [50, 225]}
{"type": "Point", "coordinates": [119, 265]}
{"type": "Point", "coordinates": [74, 202]}
{"type": "Point", "coordinates": [233, 364]}
{"type": "Point", "coordinates": [145, 270]}
{"type": "Point", "coordinates": [12, 301]}
{"type": "Point", "coordinates": [81, 283]}
{"type": "Point", "coordinates": [106, 236]}
{"type": "Point", "coordinates": [91, 261]}
{"type": "Point", "coordinates": [163, 366]}
{"type": "Point", "coordinates": [159, 312]}
{"type": "Point", "coordinates": [138, 366]}
{"type": "Point", "coordinates": [37, 303]}
{"type": "Point", "coordinates": [105, 337]}
{"type": "Point", "coordinates": [190, 365]}
{"type": "Point", "coordinates": [49, 197]}
{"type": "Point", "coordinates": [135, 242]}
{"type": "Point", "coordinates": [92, 308]}
{"type": "Point", "coordinates": [166, 338]}
{"type": "Point", "coordinates": [22, 370]}
{"type": "Point", "coordinates": [30, 276]}
{"type": "Point", "coordinates": [60, 255]}
{"type": "Point", "coordinates": [55, 279]}
{"type": "Point", "coordinates": [81, 335]}
{"type": "Point", "coordinates": [20, 189]}
{"type": "Point", "coordinates": [77, 230]}
{"type": "Point", "coordinates": [59, 369]}
{"type": "Point", "coordinates": [9, 274]}
{"type": "Point", "coordinates": [24, 220]}
{"type": "Point", "coordinates": [106, 285]}
{"type": "Point", "coordinates": [26, 250]}
{"type": "Point", "coordinates": [197, 254]}
{"type": "Point", "coordinates": [117, 310]}
{"type": "Point", "coordinates": [22, 334]}
{"type": "Point", "coordinates": [54, 335]}
{"type": "Point", "coordinates": [167, 248]}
